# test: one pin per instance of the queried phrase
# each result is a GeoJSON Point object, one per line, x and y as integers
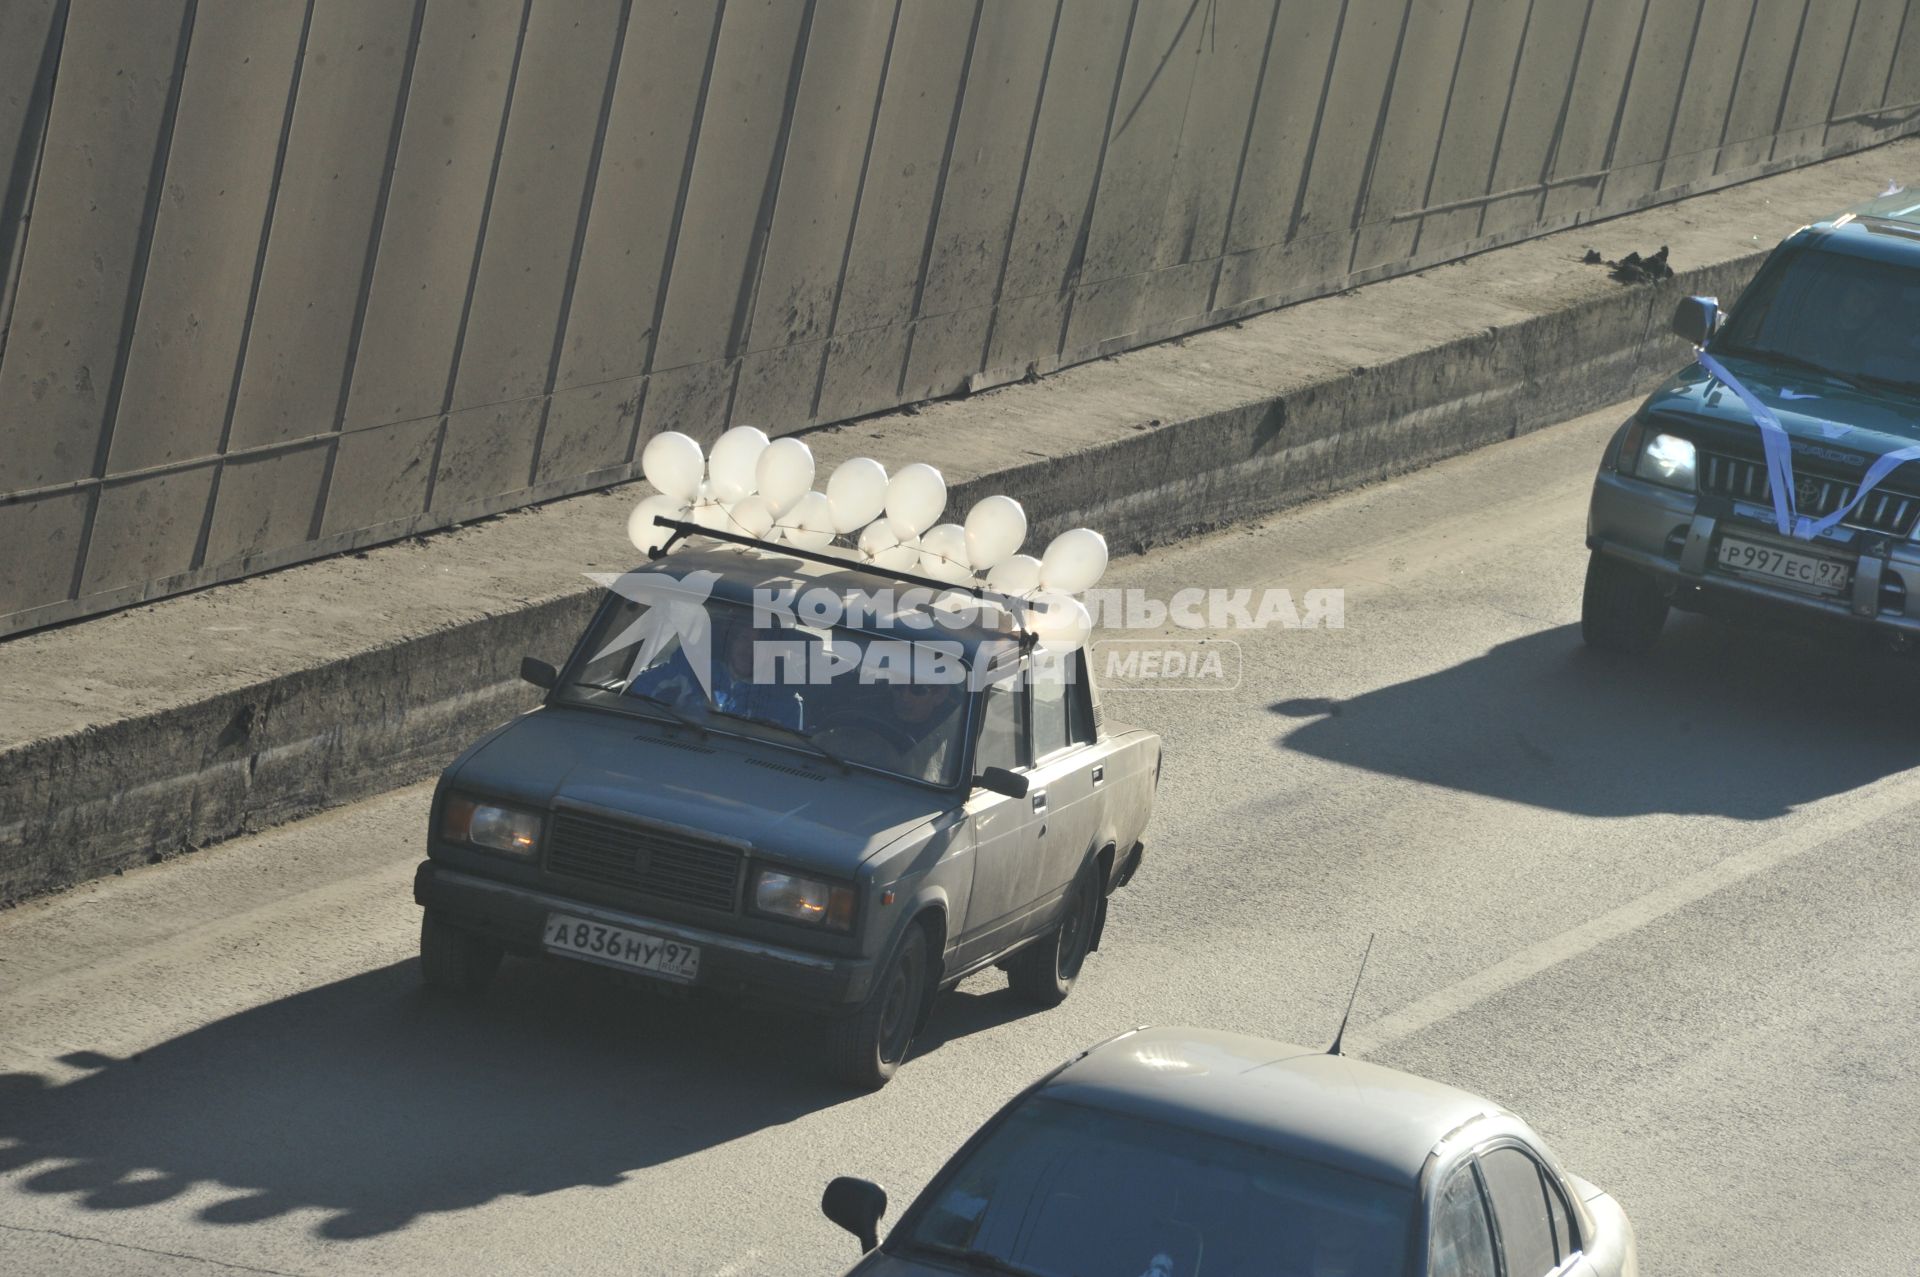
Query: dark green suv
{"type": "Point", "coordinates": [1783, 465]}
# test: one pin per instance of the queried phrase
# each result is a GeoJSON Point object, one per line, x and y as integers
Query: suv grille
{"type": "Point", "coordinates": [648, 861]}
{"type": "Point", "coordinates": [1745, 479]}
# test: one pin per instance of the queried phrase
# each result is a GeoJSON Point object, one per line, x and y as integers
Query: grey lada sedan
{"type": "Point", "coordinates": [797, 782]}
{"type": "Point", "coordinates": [1780, 468]}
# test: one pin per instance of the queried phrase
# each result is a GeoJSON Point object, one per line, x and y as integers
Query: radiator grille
{"type": "Point", "coordinates": [1745, 479]}
{"type": "Point", "coordinates": [647, 861]}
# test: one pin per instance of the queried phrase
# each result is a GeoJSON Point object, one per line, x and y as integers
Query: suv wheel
{"type": "Point", "coordinates": [868, 1047]}
{"type": "Point", "coordinates": [1043, 973]}
{"type": "Point", "coordinates": [454, 960]}
{"type": "Point", "coordinates": [1623, 608]}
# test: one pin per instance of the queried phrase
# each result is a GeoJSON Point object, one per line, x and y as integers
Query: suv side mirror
{"type": "Point", "coordinates": [1697, 319]}
{"type": "Point", "coordinates": [539, 673]}
{"type": "Point", "coordinates": [856, 1205]}
{"type": "Point", "coordinates": [998, 780]}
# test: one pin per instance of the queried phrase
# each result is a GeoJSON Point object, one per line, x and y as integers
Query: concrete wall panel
{"type": "Point", "coordinates": [448, 256]}
{"type": "Point", "coordinates": [207, 233]}
{"type": "Point", "coordinates": [84, 250]}
{"type": "Point", "coordinates": [330, 188]}
{"type": "Point", "coordinates": [430, 236]}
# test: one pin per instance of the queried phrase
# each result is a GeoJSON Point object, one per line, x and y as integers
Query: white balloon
{"type": "Point", "coordinates": [673, 464]}
{"type": "Point", "coordinates": [785, 473]}
{"type": "Point", "coordinates": [902, 556]}
{"type": "Point", "coordinates": [943, 553]}
{"type": "Point", "coordinates": [995, 528]}
{"type": "Point", "coordinates": [858, 493]}
{"type": "Point", "coordinates": [750, 516]}
{"type": "Point", "coordinates": [1064, 626]}
{"type": "Point", "coordinates": [915, 497]}
{"type": "Point", "coordinates": [641, 530]}
{"type": "Point", "coordinates": [874, 538]}
{"type": "Point", "coordinates": [1016, 574]}
{"type": "Point", "coordinates": [730, 467]}
{"type": "Point", "coordinates": [809, 525]}
{"type": "Point", "coordinates": [711, 514]}
{"type": "Point", "coordinates": [1074, 561]}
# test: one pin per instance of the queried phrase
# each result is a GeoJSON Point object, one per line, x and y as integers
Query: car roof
{"type": "Point", "coordinates": [1331, 1109]}
{"type": "Point", "coordinates": [745, 573]}
{"type": "Point", "coordinates": [1884, 229]}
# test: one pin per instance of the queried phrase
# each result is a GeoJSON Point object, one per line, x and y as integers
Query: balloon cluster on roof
{"type": "Point", "coordinates": [760, 488]}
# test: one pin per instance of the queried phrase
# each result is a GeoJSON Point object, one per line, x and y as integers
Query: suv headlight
{"type": "Point", "coordinates": [780, 894]}
{"type": "Point", "coordinates": [491, 826]}
{"type": "Point", "coordinates": [1667, 460]}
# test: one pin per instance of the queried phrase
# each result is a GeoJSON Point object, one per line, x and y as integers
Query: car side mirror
{"type": "Point", "coordinates": [856, 1205]}
{"type": "Point", "coordinates": [1697, 319]}
{"type": "Point", "coordinates": [998, 780]}
{"type": "Point", "coordinates": [539, 673]}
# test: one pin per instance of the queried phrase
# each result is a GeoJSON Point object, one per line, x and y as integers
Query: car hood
{"type": "Point", "coordinates": [778, 801]}
{"type": "Point", "coordinates": [1824, 419]}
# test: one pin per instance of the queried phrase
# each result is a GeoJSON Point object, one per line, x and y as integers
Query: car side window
{"type": "Point", "coordinates": [1564, 1242]}
{"type": "Point", "coordinates": [999, 743]}
{"type": "Point", "coordinates": [1520, 1206]}
{"type": "Point", "coordinates": [1051, 682]}
{"type": "Point", "coordinates": [1462, 1240]}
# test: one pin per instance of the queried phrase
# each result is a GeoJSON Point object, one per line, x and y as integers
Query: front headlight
{"type": "Point", "coordinates": [1666, 459]}
{"type": "Point", "coordinates": [491, 826]}
{"type": "Point", "coordinates": [783, 895]}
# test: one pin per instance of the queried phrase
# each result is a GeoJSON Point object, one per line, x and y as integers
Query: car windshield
{"type": "Point", "coordinates": [1062, 1190]}
{"type": "Point", "coordinates": [1856, 319]}
{"type": "Point", "coordinates": [891, 704]}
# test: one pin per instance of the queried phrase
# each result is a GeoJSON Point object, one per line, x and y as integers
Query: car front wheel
{"type": "Point", "coordinates": [1623, 608]}
{"type": "Point", "coordinates": [868, 1047]}
{"type": "Point", "coordinates": [1043, 973]}
{"type": "Point", "coordinates": [454, 960]}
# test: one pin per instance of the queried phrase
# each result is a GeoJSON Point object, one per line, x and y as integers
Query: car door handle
{"type": "Point", "coordinates": [1039, 800]}
{"type": "Point", "coordinates": [1099, 773]}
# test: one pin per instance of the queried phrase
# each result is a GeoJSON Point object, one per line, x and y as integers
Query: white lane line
{"type": "Point", "coordinates": [1843, 815]}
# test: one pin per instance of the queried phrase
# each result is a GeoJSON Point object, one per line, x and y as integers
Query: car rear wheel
{"type": "Point", "coordinates": [1623, 608]}
{"type": "Point", "coordinates": [453, 960]}
{"type": "Point", "coordinates": [868, 1047]}
{"type": "Point", "coordinates": [1043, 973]}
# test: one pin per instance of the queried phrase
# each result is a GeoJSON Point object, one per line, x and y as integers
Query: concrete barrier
{"type": "Point", "coordinates": [139, 735]}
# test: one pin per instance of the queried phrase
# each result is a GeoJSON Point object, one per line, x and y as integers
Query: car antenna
{"type": "Point", "coordinates": [1335, 1048]}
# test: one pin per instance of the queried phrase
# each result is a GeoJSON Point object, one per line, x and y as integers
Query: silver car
{"type": "Point", "coordinates": [1191, 1153]}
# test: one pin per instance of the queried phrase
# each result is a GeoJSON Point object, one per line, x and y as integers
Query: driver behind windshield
{"type": "Point", "coordinates": [928, 715]}
{"type": "Point", "coordinates": [731, 673]}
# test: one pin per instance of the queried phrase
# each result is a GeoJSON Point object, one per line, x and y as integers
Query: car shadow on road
{"type": "Point", "coordinates": [1718, 719]}
{"type": "Point", "coordinates": [378, 1103]}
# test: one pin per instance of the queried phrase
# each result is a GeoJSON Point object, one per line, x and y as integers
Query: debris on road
{"type": "Point", "coordinates": [1633, 268]}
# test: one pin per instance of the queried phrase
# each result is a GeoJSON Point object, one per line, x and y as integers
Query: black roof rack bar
{"type": "Point", "coordinates": [1015, 607]}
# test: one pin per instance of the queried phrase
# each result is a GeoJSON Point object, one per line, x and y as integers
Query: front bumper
{"type": "Point", "coordinates": [1675, 536]}
{"type": "Point", "coordinates": [516, 916]}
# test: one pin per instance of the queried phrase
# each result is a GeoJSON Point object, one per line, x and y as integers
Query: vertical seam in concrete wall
{"type": "Point", "coordinates": [1566, 107]}
{"type": "Point", "coordinates": [1739, 68]}
{"type": "Point", "coordinates": [853, 220]}
{"type": "Point", "coordinates": [1439, 137]}
{"type": "Point", "coordinates": [1319, 116]}
{"type": "Point", "coordinates": [253, 286]}
{"type": "Point", "coordinates": [741, 330]}
{"type": "Point", "coordinates": [580, 235]}
{"type": "Point", "coordinates": [358, 325]}
{"type": "Point", "coordinates": [1786, 81]}
{"type": "Point", "coordinates": [1620, 107]}
{"type": "Point", "coordinates": [1070, 278]}
{"type": "Point", "coordinates": [1886, 88]}
{"type": "Point", "coordinates": [1380, 130]}
{"type": "Point", "coordinates": [479, 251]}
{"type": "Point", "coordinates": [1680, 96]}
{"type": "Point", "coordinates": [939, 199]}
{"type": "Point", "coordinates": [1506, 114]}
{"type": "Point", "coordinates": [16, 196]}
{"type": "Point", "coordinates": [156, 184]}
{"type": "Point", "coordinates": [1840, 74]}
{"type": "Point", "coordinates": [1240, 169]}
{"type": "Point", "coordinates": [1020, 188]}
{"type": "Point", "coordinates": [673, 226]}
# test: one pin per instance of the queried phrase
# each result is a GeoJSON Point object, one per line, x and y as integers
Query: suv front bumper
{"type": "Point", "coordinates": [1675, 535]}
{"type": "Point", "coordinates": [516, 916]}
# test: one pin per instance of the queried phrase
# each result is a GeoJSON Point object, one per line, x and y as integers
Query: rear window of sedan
{"type": "Point", "coordinates": [1062, 1190]}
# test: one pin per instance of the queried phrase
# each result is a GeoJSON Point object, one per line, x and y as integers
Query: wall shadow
{"type": "Point", "coordinates": [377, 1102]}
{"type": "Point", "coordinates": [1718, 720]}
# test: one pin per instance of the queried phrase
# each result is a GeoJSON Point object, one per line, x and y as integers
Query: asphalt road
{"type": "Point", "coordinates": [1664, 908]}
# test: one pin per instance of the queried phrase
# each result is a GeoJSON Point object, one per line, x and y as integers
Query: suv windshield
{"type": "Point", "coordinates": [891, 704]}
{"type": "Point", "coordinates": [1851, 317]}
{"type": "Point", "coordinates": [1061, 1190]}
